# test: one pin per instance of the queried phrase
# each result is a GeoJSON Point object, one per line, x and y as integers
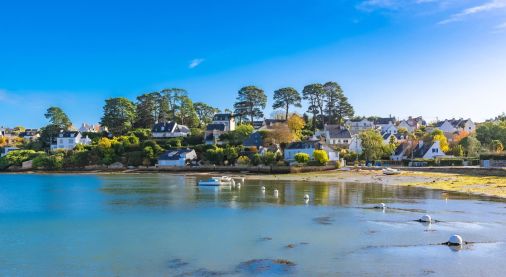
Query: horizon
{"type": "Point", "coordinates": [436, 59]}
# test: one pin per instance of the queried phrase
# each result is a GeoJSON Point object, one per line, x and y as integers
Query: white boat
{"type": "Point", "coordinates": [391, 171]}
{"type": "Point", "coordinates": [216, 181]}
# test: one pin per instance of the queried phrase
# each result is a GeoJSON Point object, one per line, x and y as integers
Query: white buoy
{"type": "Point", "coordinates": [242, 180]}
{"type": "Point", "coordinates": [238, 185]}
{"type": "Point", "coordinates": [455, 240]}
{"type": "Point", "coordinates": [306, 196]}
{"type": "Point", "coordinates": [381, 206]}
{"type": "Point", "coordinates": [426, 218]}
{"type": "Point", "coordinates": [262, 188]}
{"type": "Point", "coordinates": [276, 193]}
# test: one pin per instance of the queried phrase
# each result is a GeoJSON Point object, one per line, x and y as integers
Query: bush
{"type": "Point", "coordinates": [321, 157]}
{"type": "Point", "coordinates": [135, 158]}
{"type": "Point", "coordinates": [49, 162]}
{"type": "Point", "coordinates": [215, 156]}
{"type": "Point", "coordinates": [17, 157]}
{"type": "Point", "coordinates": [243, 160]}
{"type": "Point", "coordinates": [302, 158]}
{"type": "Point", "coordinates": [256, 159]}
{"type": "Point", "coordinates": [451, 162]}
{"type": "Point", "coordinates": [269, 158]}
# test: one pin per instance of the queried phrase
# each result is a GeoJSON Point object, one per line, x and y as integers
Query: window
{"type": "Point", "coordinates": [61, 141]}
{"type": "Point", "coordinates": [71, 140]}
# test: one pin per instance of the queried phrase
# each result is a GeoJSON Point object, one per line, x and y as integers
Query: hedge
{"type": "Point", "coordinates": [493, 156]}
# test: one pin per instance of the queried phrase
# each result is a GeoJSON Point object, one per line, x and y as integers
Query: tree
{"type": "Point", "coordinates": [58, 118]}
{"type": "Point", "coordinates": [458, 150]}
{"type": "Point", "coordinates": [119, 115]}
{"type": "Point", "coordinates": [321, 156]}
{"type": "Point", "coordinates": [471, 146]}
{"type": "Point", "coordinates": [250, 102]}
{"type": "Point", "coordinates": [205, 113]}
{"type": "Point", "coordinates": [286, 97]}
{"type": "Point", "coordinates": [172, 100]}
{"type": "Point", "coordinates": [438, 135]}
{"type": "Point", "coordinates": [496, 146]}
{"type": "Point", "coordinates": [186, 113]}
{"type": "Point", "coordinates": [149, 110]}
{"type": "Point", "coordinates": [337, 105]}
{"type": "Point", "coordinates": [237, 136]}
{"type": "Point", "coordinates": [489, 131]}
{"type": "Point", "coordinates": [372, 144]}
{"type": "Point", "coordinates": [279, 134]}
{"type": "Point", "coordinates": [314, 94]}
{"type": "Point", "coordinates": [296, 124]}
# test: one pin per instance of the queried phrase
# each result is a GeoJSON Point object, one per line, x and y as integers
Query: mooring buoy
{"type": "Point", "coordinates": [426, 218]}
{"type": "Point", "coordinates": [455, 240]}
{"type": "Point", "coordinates": [306, 196]}
{"type": "Point", "coordinates": [276, 193]}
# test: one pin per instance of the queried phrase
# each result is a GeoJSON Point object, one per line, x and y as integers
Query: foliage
{"type": "Point", "coordinates": [372, 145]}
{"type": "Point", "coordinates": [230, 154]}
{"type": "Point", "coordinates": [250, 102]}
{"type": "Point", "coordinates": [314, 94]}
{"type": "Point", "coordinates": [205, 113]}
{"type": "Point", "coordinates": [489, 131]}
{"type": "Point", "coordinates": [457, 150]}
{"type": "Point", "coordinates": [269, 158]}
{"type": "Point", "coordinates": [471, 146]}
{"type": "Point", "coordinates": [286, 97]}
{"type": "Point", "coordinates": [496, 146]}
{"type": "Point", "coordinates": [215, 156]}
{"type": "Point", "coordinates": [302, 158]}
{"type": "Point", "coordinates": [19, 156]}
{"type": "Point", "coordinates": [321, 156]}
{"type": "Point", "coordinates": [256, 159]}
{"type": "Point", "coordinates": [296, 124]}
{"type": "Point", "coordinates": [493, 156]}
{"type": "Point", "coordinates": [337, 105]}
{"type": "Point", "coordinates": [243, 160]}
{"type": "Point", "coordinates": [142, 134]}
{"type": "Point", "coordinates": [58, 117]}
{"type": "Point", "coordinates": [150, 108]}
{"type": "Point", "coordinates": [119, 115]}
{"type": "Point", "coordinates": [438, 135]}
{"type": "Point", "coordinates": [237, 137]}
{"type": "Point", "coordinates": [49, 162]}
{"type": "Point", "coordinates": [279, 134]}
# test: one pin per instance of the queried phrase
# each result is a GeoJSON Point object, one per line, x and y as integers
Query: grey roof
{"type": "Point", "coordinates": [336, 131]}
{"type": "Point", "coordinates": [255, 139]}
{"type": "Point", "coordinates": [386, 135]}
{"type": "Point", "coordinates": [222, 116]}
{"type": "Point", "coordinates": [212, 127]}
{"type": "Point", "coordinates": [400, 149]}
{"type": "Point", "coordinates": [174, 154]}
{"type": "Point", "coordinates": [420, 151]}
{"type": "Point", "coordinates": [163, 127]}
{"type": "Point", "coordinates": [304, 145]}
{"type": "Point", "coordinates": [68, 134]}
{"type": "Point", "coordinates": [257, 124]}
{"type": "Point", "coordinates": [385, 121]}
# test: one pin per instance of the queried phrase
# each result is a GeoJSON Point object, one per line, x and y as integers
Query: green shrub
{"type": "Point", "coordinates": [243, 160]}
{"type": "Point", "coordinates": [269, 158]}
{"type": "Point", "coordinates": [302, 158]}
{"type": "Point", "coordinates": [256, 159]}
{"type": "Point", "coordinates": [493, 156]}
{"type": "Point", "coordinates": [450, 162]}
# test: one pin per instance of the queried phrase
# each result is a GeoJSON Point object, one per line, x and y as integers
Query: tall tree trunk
{"type": "Point", "coordinates": [287, 107]}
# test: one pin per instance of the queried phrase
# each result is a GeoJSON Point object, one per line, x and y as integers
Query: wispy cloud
{"type": "Point", "coordinates": [195, 62]}
{"type": "Point", "coordinates": [501, 26]}
{"type": "Point", "coordinates": [370, 5]}
{"type": "Point", "coordinates": [485, 7]}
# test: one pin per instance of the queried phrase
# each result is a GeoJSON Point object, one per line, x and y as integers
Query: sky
{"type": "Point", "coordinates": [435, 58]}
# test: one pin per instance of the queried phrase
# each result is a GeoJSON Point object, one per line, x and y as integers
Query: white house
{"type": "Point", "coordinates": [222, 123]}
{"type": "Point", "coordinates": [7, 149]}
{"type": "Point", "coordinates": [91, 128]}
{"type": "Point", "coordinates": [386, 125]}
{"type": "Point", "coordinates": [68, 140]}
{"type": "Point", "coordinates": [177, 157]}
{"type": "Point", "coordinates": [358, 125]}
{"type": "Point", "coordinates": [456, 125]}
{"type": "Point", "coordinates": [30, 135]}
{"type": "Point", "coordinates": [411, 124]}
{"type": "Point", "coordinates": [309, 147]}
{"type": "Point", "coordinates": [169, 130]}
{"type": "Point", "coordinates": [428, 150]}
{"type": "Point", "coordinates": [336, 135]}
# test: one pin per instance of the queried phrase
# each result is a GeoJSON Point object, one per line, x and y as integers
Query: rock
{"type": "Point", "coordinates": [27, 165]}
{"type": "Point", "coordinates": [116, 165]}
{"type": "Point", "coordinates": [266, 267]}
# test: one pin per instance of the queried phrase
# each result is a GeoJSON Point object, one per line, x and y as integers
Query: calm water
{"type": "Point", "coordinates": [163, 225]}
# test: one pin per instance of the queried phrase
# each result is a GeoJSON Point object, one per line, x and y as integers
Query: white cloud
{"type": "Point", "coordinates": [501, 26]}
{"type": "Point", "coordinates": [486, 7]}
{"type": "Point", "coordinates": [195, 62]}
{"type": "Point", "coordinates": [370, 5]}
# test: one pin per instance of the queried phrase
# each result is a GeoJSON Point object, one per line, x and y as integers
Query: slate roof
{"type": "Point", "coordinates": [68, 134]}
{"type": "Point", "coordinates": [255, 139]}
{"type": "Point", "coordinates": [420, 151]}
{"type": "Point", "coordinates": [304, 145]}
{"type": "Point", "coordinates": [222, 117]}
{"type": "Point", "coordinates": [385, 121]}
{"type": "Point", "coordinates": [336, 131]}
{"type": "Point", "coordinates": [174, 154]}
{"type": "Point", "coordinates": [218, 126]}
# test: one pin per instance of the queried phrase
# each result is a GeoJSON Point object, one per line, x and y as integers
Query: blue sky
{"type": "Point", "coordinates": [436, 58]}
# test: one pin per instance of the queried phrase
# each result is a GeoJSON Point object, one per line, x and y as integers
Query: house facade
{"type": "Point", "coordinates": [30, 135]}
{"type": "Point", "coordinates": [169, 130]}
{"type": "Point", "coordinates": [221, 124]}
{"type": "Point", "coordinates": [335, 135]}
{"type": "Point", "coordinates": [309, 147]}
{"type": "Point", "coordinates": [68, 140]}
{"type": "Point", "coordinates": [356, 144]}
{"type": "Point", "coordinates": [91, 128]}
{"type": "Point", "coordinates": [359, 125]}
{"type": "Point", "coordinates": [177, 157]}
{"type": "Point", "coordinates": [456, 126]}
{"type": "Point", "coordinates": [386, 125]}
{"type": "Point", "coordinates": [411, 124]}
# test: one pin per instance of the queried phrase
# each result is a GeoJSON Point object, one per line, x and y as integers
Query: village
{"type": "Point", "coordinates": [198, 135]}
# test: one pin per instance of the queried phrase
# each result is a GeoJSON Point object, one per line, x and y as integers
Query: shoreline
{"type": "Point", "coordinates": [489, 186]}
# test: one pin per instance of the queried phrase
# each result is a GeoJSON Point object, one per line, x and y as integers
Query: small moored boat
{"type": "Point", "coordinates": [216, 181]}
{"type": "Point", "coordinates": [391, 171]}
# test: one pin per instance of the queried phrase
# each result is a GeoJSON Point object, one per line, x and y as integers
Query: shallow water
{"type": "Point", "coordinates": [163, 225]}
